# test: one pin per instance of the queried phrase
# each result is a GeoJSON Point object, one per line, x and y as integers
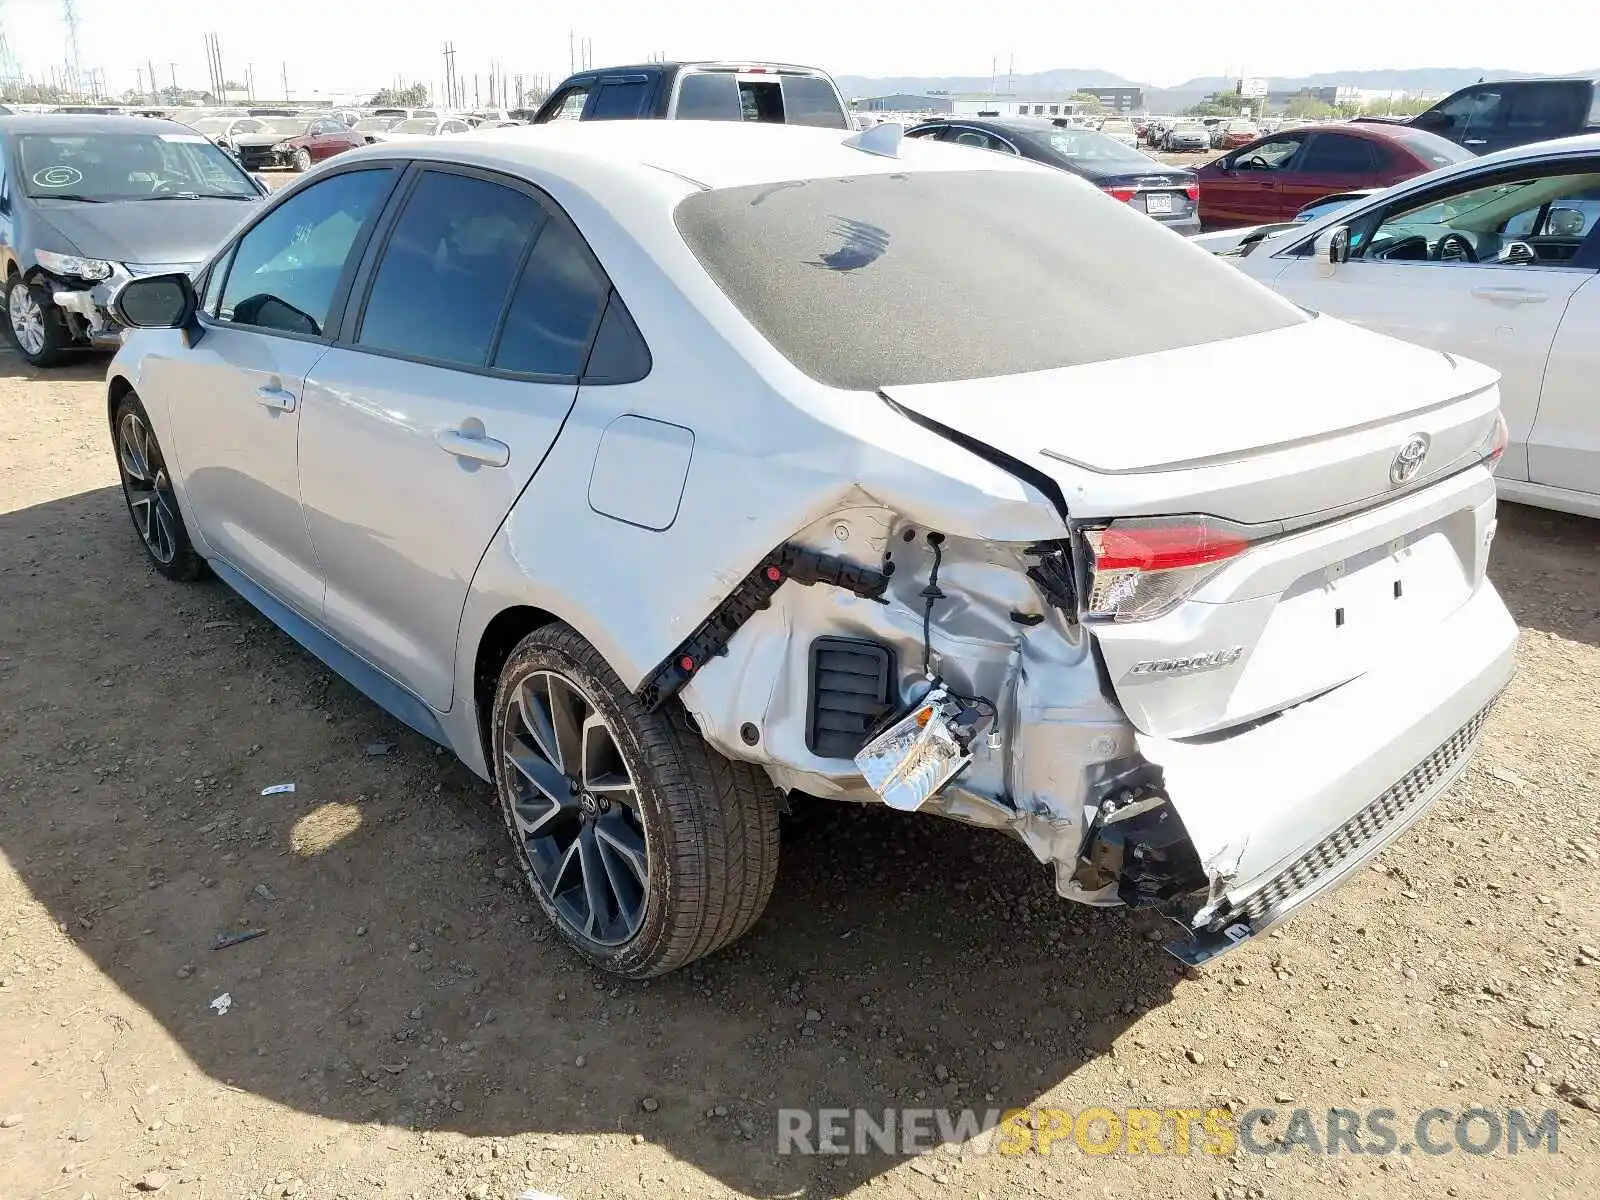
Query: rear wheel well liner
{"type": "Point", "coordinates": [500, 637]}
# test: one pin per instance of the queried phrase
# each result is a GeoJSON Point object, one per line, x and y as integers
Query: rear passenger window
{"type": "Point", "coordinates": [1334, 154]}
{"type": "Point", "coordinates": [448, 268]}
{"type": "Point", "coordinates": [556, 308]}
{"type": "Point", "coordinates": [620, 101]}
{"type": "Point", "coordinates": [708, 97]}
{"type": "Point", "coordinates": [287, 268]}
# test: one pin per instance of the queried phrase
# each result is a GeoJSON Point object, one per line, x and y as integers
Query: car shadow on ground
{"type": "Point", "coordinates": [80, 366]}
{"type": "Point", "coordinates": [404, 978]}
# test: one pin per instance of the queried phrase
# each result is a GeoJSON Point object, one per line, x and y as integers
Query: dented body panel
{"type": "Point", "coordinates": [1306, 671]}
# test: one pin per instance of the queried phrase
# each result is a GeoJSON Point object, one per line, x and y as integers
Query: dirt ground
{"type": "Point", "coordinates": [406, 1028]}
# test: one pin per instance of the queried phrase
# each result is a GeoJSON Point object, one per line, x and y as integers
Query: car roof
{"type": "Point", "coordinates": [71, 123]}
{"type": "Point", "coordinates": [729, 64]}
{"type": "Point", "coordinates": [603, 155]}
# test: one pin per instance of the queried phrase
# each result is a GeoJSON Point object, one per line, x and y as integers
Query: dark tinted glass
{"type": "Point", "coordinates": [1544, 111]}
{"type": "Point", "coordinates": [808, 100]}
{"type": "Point", "coordinates": [557, 304]}
{"type": "Point", "coordinates": [705, 96]}
{"type": "Point", "coordinates": [1335, 154]}
{"type": "Point", "coordinates": [620, 101]}
{"type": "Point", "coordinates": [448, 268]}
{"type": "Point", "coordinates": [287, 268]}
{"type": "Point", "coordinates": [619, 354]}
{"type": "Point", "coordinates": [861, 284]}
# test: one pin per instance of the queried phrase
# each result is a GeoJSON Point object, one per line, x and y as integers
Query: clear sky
{"type": "Point", "coordinates": [363, 44]}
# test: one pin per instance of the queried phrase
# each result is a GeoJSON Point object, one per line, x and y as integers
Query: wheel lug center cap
{"type": "Point", "coordinates": [589, 805]}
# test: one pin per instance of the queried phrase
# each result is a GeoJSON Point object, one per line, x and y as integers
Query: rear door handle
{"type": "Point", "coordinates": [1510, 295]}
{"type": "Point", "coordinates": [270, 395]}
{"type": "Point", "coordinates": [1475, 142]}
{"type": "Point", "coordinates": [473, 447]}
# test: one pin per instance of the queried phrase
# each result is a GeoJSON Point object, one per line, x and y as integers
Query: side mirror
{"type": "Point", "coordinates": [1333, 245]}
{"type": "Point", "coordinates": [155, 302]}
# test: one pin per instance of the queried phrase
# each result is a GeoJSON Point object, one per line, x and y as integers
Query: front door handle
{"type": "Point", "coordinates": [270, 395]}
{"type": "Point", "coordinates": [1510, 295]}
{"type": "Point", "coordinates": [1475, 142]}
{"type": "Point", "coordinates": [470, 444]}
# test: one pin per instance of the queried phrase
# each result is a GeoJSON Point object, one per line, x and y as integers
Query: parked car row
{"type": "Point", "coordinates": [1495, 258]}
{"type": "Point", "coordinates": [1169, 194]}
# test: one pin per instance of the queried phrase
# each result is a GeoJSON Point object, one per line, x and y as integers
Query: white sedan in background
{"type": "Point", "coordinates": [1495, 259]}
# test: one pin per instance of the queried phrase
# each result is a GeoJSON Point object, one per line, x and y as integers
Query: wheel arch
{"type": "Point", "coordinates": [117, 388]}
{"type": "Point", "coordinates": [499, 638]}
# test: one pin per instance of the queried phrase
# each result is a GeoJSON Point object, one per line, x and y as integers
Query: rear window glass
{"type": "Point", "coordinates": [620, 100]}
{"type": "Point", "coordinates": [1432, 148]}
{"type": "Point", "coordinates": [808, 100]}
{"type": "Point", "coordinates": [932, 276]}
{"type": "Point", "coordinates": [708, 97]}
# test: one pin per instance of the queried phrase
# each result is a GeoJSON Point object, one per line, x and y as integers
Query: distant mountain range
{"type": "Point", "coordinates": [1417, 79]}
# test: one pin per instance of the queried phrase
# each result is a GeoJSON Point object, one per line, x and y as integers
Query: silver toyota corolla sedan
{"type": "Point", "coordinates": [668, 471]}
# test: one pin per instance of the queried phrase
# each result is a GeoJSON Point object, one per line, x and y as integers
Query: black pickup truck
{"type": "Point", "coordinates": [1487, 117]}
{"type": "Point", "coordinates": [699, 91]}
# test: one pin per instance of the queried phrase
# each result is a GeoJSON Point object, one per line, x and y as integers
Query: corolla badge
{"type": "Point", "coordinates": [1409, 460]}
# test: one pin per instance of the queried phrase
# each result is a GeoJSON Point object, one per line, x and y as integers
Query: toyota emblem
{"type": "Point", "coordinates": [1409, 460]}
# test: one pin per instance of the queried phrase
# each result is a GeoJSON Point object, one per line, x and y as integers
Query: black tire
{"type": "Point", "coordinates": [56, 337]}
{"type": "Point", "coordinates": [147, 491]}
{"type": "Point", "coordinates": [709, 825]}
{"type": "Point", "coordinates": [302, 159]}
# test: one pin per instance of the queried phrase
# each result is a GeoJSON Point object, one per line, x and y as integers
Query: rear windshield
{"type": "Point", "coordinates": [1431, 148]}
{"type": "Point", "coordinates": [932, 276]}
{"type": "Point", "coordinates": [780, 99]}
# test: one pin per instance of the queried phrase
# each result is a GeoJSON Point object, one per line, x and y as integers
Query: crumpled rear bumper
{"type": "Point", "coordinates": [1290, 808]}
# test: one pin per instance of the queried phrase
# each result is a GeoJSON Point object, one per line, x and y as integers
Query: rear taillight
{"type": "Point", "coordinates": [1495, 444]}
{"type": "Point", "coordinates": [1124, 194]}
{"type": "Point", "coordinates": [1143, 568]}
{"type": "Point", "coordinates": [1192, 190]}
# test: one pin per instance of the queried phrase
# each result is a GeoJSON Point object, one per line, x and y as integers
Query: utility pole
{"type": "Point", "coordinates": [572, 62]}
{"type": "Point", "coordinates": [284, 71]}
{"type": "Point", "coordinates": [155, 84]}
{"type": "Point", "coordinates": [173, 67]}
{"type": "Point", "coordinates": [69, 15]}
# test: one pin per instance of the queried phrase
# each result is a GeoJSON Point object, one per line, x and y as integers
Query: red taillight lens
{"type": "Point", "coordinates": [1192, 190]}
{"type": "Point", "coordinates": [1144, 568]}
{"type": "Point", "coordinates": [1125, 194]}
{"type": "Point", "coordinates": [1164, 547]}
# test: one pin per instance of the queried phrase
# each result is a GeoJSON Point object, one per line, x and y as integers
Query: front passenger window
{"type": "Point", "coordinates": [1268, 156]}
{"type": "Point", "coordinates": [287, 268]}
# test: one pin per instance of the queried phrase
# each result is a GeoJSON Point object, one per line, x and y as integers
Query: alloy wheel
{"type": "Point", "coordinates": [574, 807]}
{"type": "Point", "coordinates": [148, 488]}
{"type": "Point", "coordinates": [27, 319]}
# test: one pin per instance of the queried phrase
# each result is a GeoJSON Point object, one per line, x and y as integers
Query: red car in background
{"type": "Point", "coordinates": [1274, 177]}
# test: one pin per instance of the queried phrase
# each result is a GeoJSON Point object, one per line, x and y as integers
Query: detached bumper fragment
{"type": "Point", "coordinates": [1336, 856]}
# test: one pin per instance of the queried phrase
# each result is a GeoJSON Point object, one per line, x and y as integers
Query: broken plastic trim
{"type": "Point", "coordinates": [711, 637]}
{"type": "Point", "coordinates": [1138, 842]}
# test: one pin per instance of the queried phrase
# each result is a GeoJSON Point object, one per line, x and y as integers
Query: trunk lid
{"type": "Point", "coordinates": [1295, 434]}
